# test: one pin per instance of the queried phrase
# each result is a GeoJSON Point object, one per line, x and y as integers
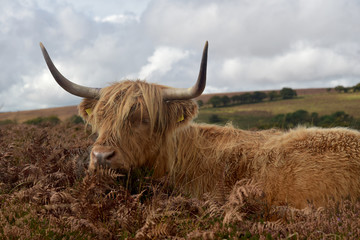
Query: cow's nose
{"type": "Point", "coordinates": [102, 157]}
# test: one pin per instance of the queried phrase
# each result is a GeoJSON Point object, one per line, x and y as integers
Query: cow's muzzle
{"type": "Point", "coordinates": [101, 156]}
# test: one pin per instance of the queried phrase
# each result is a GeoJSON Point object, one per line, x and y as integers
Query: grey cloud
{"type": "Point", "coordinates": [254, 45]}
{"type": "Point", "coordinates": [86, 51]}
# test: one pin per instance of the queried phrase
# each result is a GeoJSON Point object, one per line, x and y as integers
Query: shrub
{"type": "Point", "coordinates": [214, 118]}
{"type": "Point", "coordinates": [273, 95]}
{"type": "Point", "coordinates": [288, 93]}
{"type": "Point", "coordinates": [75, 119]}
{"type": "Point", "coordinates": [340, 89]}
{"type": "Point", "coordinates": [7, 122]}
{"type": "Point", "coordinates": [225, 100]}
{"type": "Point", "coordinates": [356, 88]}
{"type": "Point", "coordinates": [51, 120]}
{"type": "Point", "coordinates": [339, 119]}
{"type": "Point", "coordinates": [236, 99]}
{"type": "Point", "coordinates": [215, 101]}
{"type": "Point", "coordinates": [302, 117]}
{"type": "Point", "coordinates": [258, 96]}
{"type": "Point", "coordinates": [245, 98]}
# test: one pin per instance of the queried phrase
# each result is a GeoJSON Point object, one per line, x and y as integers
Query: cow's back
{"type": "Point", "coordinates": [310, 165]}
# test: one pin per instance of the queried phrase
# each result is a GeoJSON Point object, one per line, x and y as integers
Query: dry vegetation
{"type": "Point", "coordinates": [47, 193]}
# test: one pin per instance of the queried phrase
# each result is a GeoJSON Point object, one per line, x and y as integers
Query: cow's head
{"type": "Point", "coordinates": [133, 118]}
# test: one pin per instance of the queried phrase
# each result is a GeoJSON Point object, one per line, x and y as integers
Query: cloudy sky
{"type": "Point", "coordinates": [253, 45]}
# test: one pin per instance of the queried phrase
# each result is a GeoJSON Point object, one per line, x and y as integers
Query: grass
{"type": "Point", "coordinates": [248, 116]}
{"type": "Point", "coordinates": [241, 119]}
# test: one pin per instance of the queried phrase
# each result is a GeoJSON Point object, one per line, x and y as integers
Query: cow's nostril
{"type": "Point", "coordinates": [102, 157]}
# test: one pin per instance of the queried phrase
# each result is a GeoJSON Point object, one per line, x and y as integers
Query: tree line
{"type": "Point", "coordinates": [246, 98]}
{"type": "Point", "coordinates": [343, 89]}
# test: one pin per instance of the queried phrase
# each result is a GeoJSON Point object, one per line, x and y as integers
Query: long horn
{"type": "Point", "coordinates": [194, 91]}
{"type": "Point", "coordinates": [73, 88]}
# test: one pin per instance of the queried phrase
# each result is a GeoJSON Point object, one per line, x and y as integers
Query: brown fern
{"type": "Point", "coordinates": [245, 198]}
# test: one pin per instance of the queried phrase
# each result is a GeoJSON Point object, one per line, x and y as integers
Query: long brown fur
{"type": "Point", "coordinates": [294, 167]}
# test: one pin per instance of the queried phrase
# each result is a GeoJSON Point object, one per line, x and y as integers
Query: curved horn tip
{"type": "Point", "coordinates": [194, 91]}
{"type": "Point", "coordinates": [42, 46]}
{"type": "Point", "coordinates": [206, 46]}
{"type": "Point", "coordinates": [43, 49]}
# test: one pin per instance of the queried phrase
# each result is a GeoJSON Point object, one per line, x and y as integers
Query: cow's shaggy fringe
{"type": "Point", "coordinates": [121, 111]}
{"type": "Point", "coordinates": [47, 193]}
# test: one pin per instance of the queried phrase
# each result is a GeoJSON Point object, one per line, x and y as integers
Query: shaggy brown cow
{"type": "Point", "coordinates": [144, 124]}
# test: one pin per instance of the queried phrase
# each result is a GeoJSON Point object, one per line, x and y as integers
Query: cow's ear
{"type": "Point", "coordinates": [86, 108]}
{"type": "Point", "coordinates": [181, 111]}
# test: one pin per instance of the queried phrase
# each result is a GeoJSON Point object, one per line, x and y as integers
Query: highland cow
{"type": "Point", "coordinates": [143, 124]}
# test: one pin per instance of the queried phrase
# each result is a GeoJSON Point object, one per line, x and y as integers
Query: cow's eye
{"type": "Point", "coordinates": [145, 120]}
{"type": "Point", "coordinates": [137, 118]}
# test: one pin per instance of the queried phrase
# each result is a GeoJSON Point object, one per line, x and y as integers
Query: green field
{"type": "Point", "coordinates": [248, 116]}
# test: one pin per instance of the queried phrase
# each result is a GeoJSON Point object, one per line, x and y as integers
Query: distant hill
{"type": "Point", "coordinates": [66, 112]}
{"type": "Point", "coordinates": [20, 116]}
{"type": "Point", "coordinates": [307, 91]}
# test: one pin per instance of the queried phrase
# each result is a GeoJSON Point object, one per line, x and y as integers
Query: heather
{"type": "Point", "coordinates": [46, 192]}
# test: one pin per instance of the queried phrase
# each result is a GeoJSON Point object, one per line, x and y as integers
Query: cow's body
{"type": "Point", "coordinates": [142, 124]}
{"type": "Point", "coordinates": [292, 167]}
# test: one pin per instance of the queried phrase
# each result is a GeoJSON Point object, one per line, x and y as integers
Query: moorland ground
{"type": "Point", "coordinates": [46, 191]}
